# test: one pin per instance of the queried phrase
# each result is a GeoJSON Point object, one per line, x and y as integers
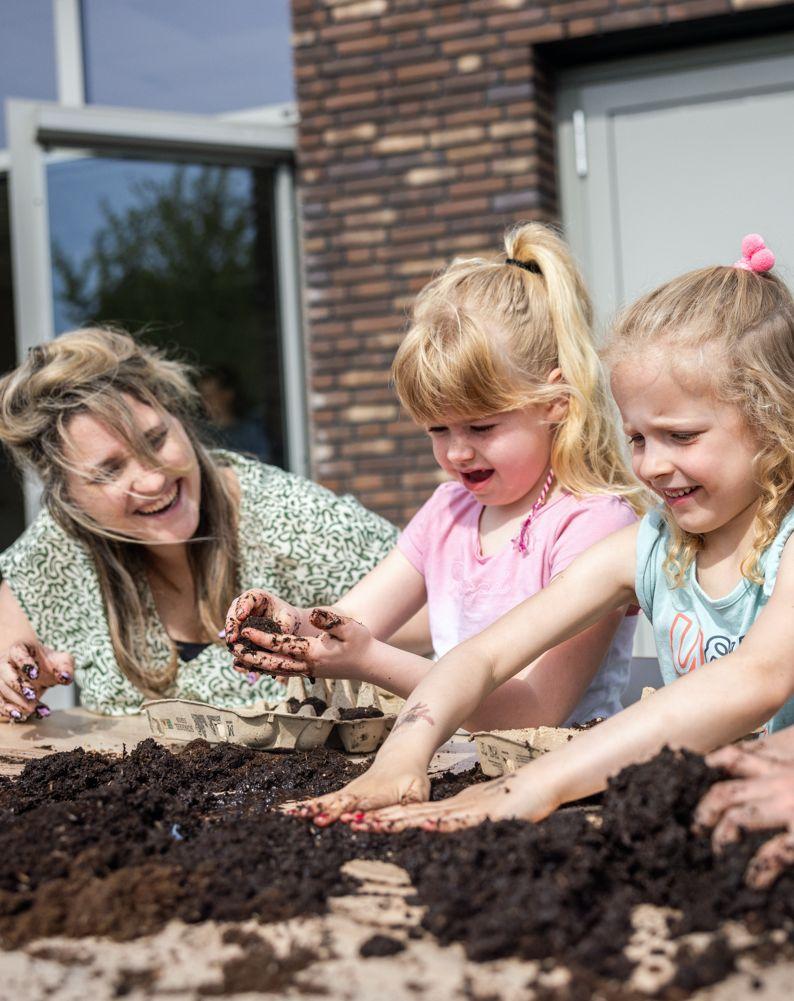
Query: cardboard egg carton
{"type": "Point", "coordinates": [258, 725]}
{"type": "Point", "coordinates": [273, 727]}
{"type": "Point", "coordinates": [503, 751]}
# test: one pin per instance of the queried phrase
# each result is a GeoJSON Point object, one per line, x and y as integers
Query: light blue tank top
{"type": "Point", "coordinates": [689, 627]}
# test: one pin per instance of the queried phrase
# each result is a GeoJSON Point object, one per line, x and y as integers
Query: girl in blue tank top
{"type": "Point", "coordinates": [702, 370]}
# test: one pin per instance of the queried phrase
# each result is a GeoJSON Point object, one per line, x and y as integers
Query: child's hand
{"type": "Point", "coordinates": [260, 602]}
{"type": "Point", "coordinates": [26, 671]}
{"type": "Point", "coordinates": [383, 784]}
{"type": "Point", "coordinates": [505, 798]}
{"type": "Point", "coordinates": [760, 797]}
{"type": "Point", "coordinates": [338, 651]}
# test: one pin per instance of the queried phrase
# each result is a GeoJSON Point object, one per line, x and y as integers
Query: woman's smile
{"type": "Point", "coordinates": [164, 504]}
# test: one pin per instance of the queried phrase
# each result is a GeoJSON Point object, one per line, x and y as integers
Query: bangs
{"type": "Point", "coordinates": [451, 364]}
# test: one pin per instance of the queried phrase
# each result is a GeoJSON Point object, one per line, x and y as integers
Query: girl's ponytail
{"type": "Point", "coordinates": [586, 454]}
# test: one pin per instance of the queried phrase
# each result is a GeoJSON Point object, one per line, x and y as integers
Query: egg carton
{"type": "Point", "coordinates": [503, 751]}
{"type": "Point", "coordinates": [273, 727]}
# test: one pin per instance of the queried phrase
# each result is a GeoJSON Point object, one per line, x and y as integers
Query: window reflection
{"type": "Point", "coordinates": [27, 53]}
{"type": "Point", "coordinates": [184, 253]}
{"type": "Point", "coordinates": [197, 56]}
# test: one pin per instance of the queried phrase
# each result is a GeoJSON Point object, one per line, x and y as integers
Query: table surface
{"type": "Point", "coordinates": [67, 729]}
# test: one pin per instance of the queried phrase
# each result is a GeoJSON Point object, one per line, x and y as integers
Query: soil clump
{"type": "Point", "coordinates": [264, 624]}
{"type": "Point", "coordinates": [294, 705]}
{"type": "Point", "coordinates": [117, 847]}
{"type": "Point", "coordinates": [381, 945]}
{"type": "Point", "coordinates": [360, 712]}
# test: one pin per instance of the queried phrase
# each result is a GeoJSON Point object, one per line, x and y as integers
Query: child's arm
{"type": "Point", "coordinates": [600, 581]}
{"type": "Point", "coordinates": [389, 600]}
{"type": "Point", "coordinates": [717, 703]}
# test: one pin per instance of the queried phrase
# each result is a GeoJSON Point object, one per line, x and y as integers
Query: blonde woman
{"type": "Point", "coordinates": [500, 369]}
{"type": "Point", "coordinates": [145, 536]}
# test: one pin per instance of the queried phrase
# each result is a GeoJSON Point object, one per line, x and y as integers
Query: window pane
{"type": "Point", "coordinates": [12, 510]}
{"type": "Point", "coordinates": [27, 53]}
{"type": "Point", "coordinates": [188, 55]}
{"type": "Point", "coordinates": [186, 251]}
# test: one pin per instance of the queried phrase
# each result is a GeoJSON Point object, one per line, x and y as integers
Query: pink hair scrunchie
{"type": "Point", "coordinates": [756, 256]}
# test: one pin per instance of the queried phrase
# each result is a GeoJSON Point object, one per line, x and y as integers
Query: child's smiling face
{"type": "Point", "coordinates": [500, 459]}
{"type": "Point", "coordinates": [692, 450]}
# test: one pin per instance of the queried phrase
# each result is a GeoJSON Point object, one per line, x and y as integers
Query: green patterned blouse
{"type": "Point", "coordinates": [297, 539]}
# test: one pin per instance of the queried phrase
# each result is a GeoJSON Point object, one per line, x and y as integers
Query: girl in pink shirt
{"type": "Point", "coordinates": [500, 368]}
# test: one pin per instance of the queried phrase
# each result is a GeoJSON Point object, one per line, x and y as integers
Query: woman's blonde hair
{"type": "Point", "coordinates": [92, 371]}
{"type": "Point", "coordinates": [485, 336]}
{"type": "Point", "coordinates": [737, 327]}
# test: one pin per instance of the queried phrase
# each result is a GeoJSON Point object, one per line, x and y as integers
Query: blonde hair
{"type": "Point", "coordinates": [91, 371]}
{"type": "Point", "coordinates": [745, 321]}
{"type": "Point", "coordinates": [485, 336]}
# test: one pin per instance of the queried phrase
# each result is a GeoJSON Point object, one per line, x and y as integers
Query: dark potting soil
{"type": "Point", "coordinates": [117, 847]}
{"type": "Point", "coordinates": [381, 945]}
{"type": "Point", "coordinates": [588, 724]}
{"type": "Point", "coordinates": [261, 622]}
{"type": "Point", "coordinates": [295, 705]}
{"type": "Point", "coordinates": [360, 712]}
{"type": "Point", "coordinates": [317, 704]}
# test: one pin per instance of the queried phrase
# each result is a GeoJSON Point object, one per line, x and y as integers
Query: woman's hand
{"type": "Point", "coordinates": [27, 669]}
{"type": "Point", "coordinates": [505, 798]}
{"type": "Point", "coordinates": [339, 650]}
{"type": "Point", "coordinates": [385, 782]}
{"type": "Point", "coordinates": [260, 602]}
{"type": "Point", "coordinates": [759, 797]}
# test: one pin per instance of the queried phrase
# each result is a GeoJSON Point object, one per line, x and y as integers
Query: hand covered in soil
{"type": "Point", "coordinates": [257, 601]}
{"type": "Point", "coordinates": [337, 651]}
{"type": "Point", "coordinates": [26, 671]}
{"type": "Point", "coordinates": [759, 797]}
{"type": "Point", "coordinates": [382, 784]}
{"type": "Point", "coordinates": [505, 798]}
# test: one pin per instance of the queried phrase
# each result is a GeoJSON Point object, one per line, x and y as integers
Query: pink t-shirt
{"type": "Point", "coordinates": [467, 591]}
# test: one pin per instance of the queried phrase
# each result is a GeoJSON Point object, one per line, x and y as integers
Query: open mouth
{"type": "Point", "coordinates": [677, 496]}
{"type": "Point", "coordinates": [476, 477]}
{"type": "Point", "coordinates": [162, 506]}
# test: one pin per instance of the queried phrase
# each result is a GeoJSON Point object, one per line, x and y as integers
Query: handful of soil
{"type": "Point", "coordinates": [360, 712]}
{"type": "Point", "coordinates": [264, 624]}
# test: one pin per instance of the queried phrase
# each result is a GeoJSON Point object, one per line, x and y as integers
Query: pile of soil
{"type": "Point", "coordinates": [95, 845]}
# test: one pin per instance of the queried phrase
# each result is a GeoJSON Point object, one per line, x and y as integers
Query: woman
{"type": "Point", "coordinates": [122, 581]}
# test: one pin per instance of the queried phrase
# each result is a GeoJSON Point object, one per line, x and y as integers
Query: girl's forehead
{"type": "Point", "coordinates": [666, 366]}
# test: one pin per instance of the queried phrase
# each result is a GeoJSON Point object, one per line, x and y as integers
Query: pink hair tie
{"type": "Point", "coordinates": [756, 256]}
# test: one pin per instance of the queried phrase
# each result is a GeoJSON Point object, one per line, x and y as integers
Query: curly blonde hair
{"type": "Point", "coordinates": [745, 321]}
{"type": "Point", "coordinates": [92, 371]}
{"type": "Point", "coordinates": [484, 337]}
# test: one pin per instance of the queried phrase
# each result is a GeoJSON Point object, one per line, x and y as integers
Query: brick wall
{"type": "Point", "coordinates": [426, 128]}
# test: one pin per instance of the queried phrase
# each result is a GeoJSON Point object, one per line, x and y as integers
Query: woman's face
{"type": "Point", "coordinates": [126, 493]}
